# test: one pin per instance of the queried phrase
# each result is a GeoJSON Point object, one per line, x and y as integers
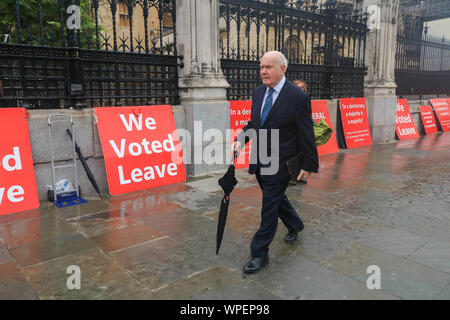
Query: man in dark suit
{"type": "Point", "coordinates": [277, 105]}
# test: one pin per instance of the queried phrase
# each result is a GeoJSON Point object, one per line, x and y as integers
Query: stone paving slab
{"type": "Point", "coordinates": [123, 238]}
{"type": "Point", "coordinates": [385, 209]}
{"type": "Point", "coordinates": [207, 184]}
{"type": "Point", "coordinates": [183, 226]}
{"type": "Point", "coordinates": [50, 249]}
{"type": "Point", "coordinates": [101, 278]}
{"type": "Point", "coordinates": [317, 246]}
{"type": "Point", "coordinates": [4, 253]}
{"type": "Point", "coordinates": [250, 197]}
{"type": "Point", "coordinates": [13, 284]}
{"type": "Point", "coordinates": [399, 276]}
{"type": "Point", "coordinates": [197, 200]}
{"type": "Point", "coordinates": [160, 262]}
{"type": "Point", "coordinates": [99, 223]}
{"type": "Point", "coordinates": [394, 241]}
{"type": "Point", "coordinates": [241, 221]}
{"type": "Point", "coordinates": [437, 229]}
{"type": "Point", "coordinates": [324, 199]}
{"type": "Point", "coordinates": [444, 294]}
{"type": "Point", "coordinates": [215, 283]}
{"type": "Point", "coordinates": [91, 207]}
{"type": "Point", "coordinates": [143, 205]}
{"type": "Point", "coordinates": [16, 234]}
{"type": "Point", "coordinates": [434, 254]}
{"type": "Point", "coordinates": [299, 278]}
{"type": "Point", "coordinates": [43, 211]}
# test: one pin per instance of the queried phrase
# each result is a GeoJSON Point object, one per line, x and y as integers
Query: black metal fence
{"type": "Point", "coordinates": [422, 67]}
{"type": "Point", "coordinates": [427, 54]}
{"type": "Point", "coordinates": [116, 53]}
{"type": "Point", "coordinates": [324, 44]}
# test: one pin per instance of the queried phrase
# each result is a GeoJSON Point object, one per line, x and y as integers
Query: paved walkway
{"type": "Point", "coordinates": [384, 205]}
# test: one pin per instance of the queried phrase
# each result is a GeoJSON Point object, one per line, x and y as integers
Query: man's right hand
{"type": "Point", "coordinates": [237, 146]}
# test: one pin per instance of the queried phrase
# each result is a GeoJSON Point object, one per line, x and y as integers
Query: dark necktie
{"type": "Point", "coordinates": [267, 106]}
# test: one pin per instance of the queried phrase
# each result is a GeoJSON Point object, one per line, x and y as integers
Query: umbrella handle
{"type": "Point", "coordinates": [234, 157]}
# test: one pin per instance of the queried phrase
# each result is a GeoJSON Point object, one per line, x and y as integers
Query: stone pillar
{"type": "Point", "coordinates": [202, 85]}
{"type": "Point", "coordinates": [379, 83]}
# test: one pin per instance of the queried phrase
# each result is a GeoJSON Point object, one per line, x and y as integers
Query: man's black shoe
{"type": "Point", "coordinates": [255, 264]}
{"type": "Point", "coordinates": [292, 236]}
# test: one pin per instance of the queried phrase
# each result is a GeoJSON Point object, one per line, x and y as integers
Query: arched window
{"type": "Point", "coordinates": [293, 49]}
{"type": "Point", "coordinates": [124, 19]}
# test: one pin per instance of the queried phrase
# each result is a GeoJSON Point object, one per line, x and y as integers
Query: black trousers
{"type": "Point", "coordinates": [274, 204]}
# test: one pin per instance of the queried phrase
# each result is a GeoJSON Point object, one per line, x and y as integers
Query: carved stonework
{"type": "Point", "coordinates": [202, 86]}
{"type": "Point", "coordinates": [381, 45]}
{"type": "Point", "coordinates": [198, 35]}
{"type": "Point", "coordinates": [379, 83]}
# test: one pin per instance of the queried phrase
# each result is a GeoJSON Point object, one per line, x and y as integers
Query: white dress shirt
{"type": "Point", "coordinates": [275, 94]}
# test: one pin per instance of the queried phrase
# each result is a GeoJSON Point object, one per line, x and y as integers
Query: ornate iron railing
{"type": "Point", "coordinates": [324, 44]}
{"type": "Point", "coordinates": [422, 67]}
{"type": "Point", "coordinates": [427, 54]}
{"type": "Point", "coordinates": [124, 54]}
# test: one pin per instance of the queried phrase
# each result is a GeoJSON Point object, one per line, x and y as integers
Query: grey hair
{"type": "Point", "coordinates": [281, 58]}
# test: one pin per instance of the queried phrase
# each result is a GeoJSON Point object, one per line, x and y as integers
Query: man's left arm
{"type": "Point", "coordinates": [306, 139]}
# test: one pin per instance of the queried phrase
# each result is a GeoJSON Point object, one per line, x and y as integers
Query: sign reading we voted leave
{"type": "Point", "coordinates": [140, 146]}
{"type": "Point", "coordinates": [355, 122]}
{"type": "Point", "coordinates": [240, 114]}
{"type": "Point", "coordinates": [18, 190]}
{"type": "Point", "coordinates": [429, 123]}
{"type": "Point", "coordinates": [320, 111]}
{"type": "Point", "coordinates": [443, 112]}
{"type": "Point", "coordinates": [404, 125]}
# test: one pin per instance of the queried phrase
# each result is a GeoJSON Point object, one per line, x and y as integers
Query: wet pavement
{"type": "Point", "coordinates": [383, 205]}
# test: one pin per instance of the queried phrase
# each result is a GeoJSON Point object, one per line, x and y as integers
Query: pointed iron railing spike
{"type": "Point", "coordinates": [138, 45]}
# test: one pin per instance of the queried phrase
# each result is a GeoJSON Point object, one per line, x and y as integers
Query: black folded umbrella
{"type": "Point", "coordinates": [227, 182]}
{"type": "Point", "coordinates": [88, 171]}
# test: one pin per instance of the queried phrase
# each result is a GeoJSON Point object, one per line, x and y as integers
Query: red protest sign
{"type": "Point", "coordinates": [18, 190]}
{"type": "Point", "coordinates": [355, 122]}
{"type": "Point", "coordinates": [404, 125]}
{"type": "Point", "coordinates": [443, 112]}
{"type": "Point", "coordinates": [429, 124]}
{"type": "Point", "coordinates": [320, 111]}
{"type": "Point", "coordinates": [140, 146]}
{"type": "Point", "coordinates": [240, 112]}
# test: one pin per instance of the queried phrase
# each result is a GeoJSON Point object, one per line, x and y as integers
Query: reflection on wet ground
{"type": "Point", "coordinates": [384, 205]}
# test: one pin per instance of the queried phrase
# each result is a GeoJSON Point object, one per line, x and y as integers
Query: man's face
{"type": "Point", "coordinates": [271, 70]}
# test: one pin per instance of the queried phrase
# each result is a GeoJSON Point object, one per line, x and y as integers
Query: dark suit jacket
{"type": "Point", "coordinates": [291, 115]}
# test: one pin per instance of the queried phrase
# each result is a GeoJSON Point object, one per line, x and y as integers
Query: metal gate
{"type": "Point", "coordinates": [324, 44]}
{"type": "Point", "coordinates": [64, 53]}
